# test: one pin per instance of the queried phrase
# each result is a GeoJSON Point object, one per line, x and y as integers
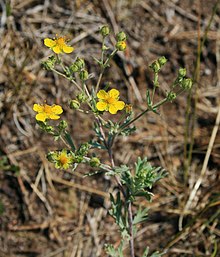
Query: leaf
{"type": "Point", "coordinates": [140, 216]}
{"type": "Point", "coordinates": [95, 144]}
{"type": "Point", "coordinates": [69, 140]}
{"type": "Point", "coordinates": [117, 211]}
{"type": "Point", "coordinates": [145, 254]}
{"type": "Point", "coordinates": [149, 102]}
{"type": "Point", "coordinates": [155, 254]}
{"type": "Point", "coordinates": [115, 252]}
{"type": "Point", "coordinates": [128, 131]}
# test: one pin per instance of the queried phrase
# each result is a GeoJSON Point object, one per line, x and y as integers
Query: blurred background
{"type": "Point", "coordinates": [47, 212]}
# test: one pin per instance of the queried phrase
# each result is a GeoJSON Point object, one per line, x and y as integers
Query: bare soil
{"type": "Point", "coordinates": [46, 212]}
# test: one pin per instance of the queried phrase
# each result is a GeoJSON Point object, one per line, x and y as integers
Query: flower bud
{"type": "Point", "coordinates": [104, 30]}
{"type": "Point", "coordinates": [162, 60]}
{"type": "Point", "coordinates": [121, 45]}
{"type": "Point", "coordinates": [84, 75]}
{"type": "Point", "coordinates": [74, 104]}
{"type": "Point", "coordinates": [182, 72]}
{"type": "Point", "coordinates": [63, 125]}
{"type": "Point", "coordinates": [94, 162]}
{"type": "Point", "coordinates": [186, 84]}
{"type": "Point", "coordinates": [83, 149]}
{"type": "Point", "coordinates": [78, 65]}
{"type": "Point", "coordinates": [121, 36]}
{"type": "Point", "coordinates": [74, 68]}
{"type": "Point", "coordinates": [48, 128]}
{"type": "Point", "coordinates": [81, 97]}
{"type": "Point", "coordinates": [49, 63]}
{"type": "Point", "coordinates": [155, 66]}
{"type": "Point", "coordinates": [171, 96]}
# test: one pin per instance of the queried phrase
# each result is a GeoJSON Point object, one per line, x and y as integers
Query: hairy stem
{"type": "Point", "coordinates": [130, 216]}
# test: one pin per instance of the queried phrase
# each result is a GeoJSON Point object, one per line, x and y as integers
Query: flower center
{"type": "Point", "coordinates": [47, 109]}
{"type": "Point", "coordinates": [63, 159]}
{"type": "Point", "coordinates": [110, 100]}
{"type": "Point", "coordinates": [60, 41]}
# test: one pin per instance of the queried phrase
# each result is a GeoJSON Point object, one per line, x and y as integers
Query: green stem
{"type": "Point", "coordinates": [86, 90]}
{"type": "Point", "coordinates": [63, 75]}
{"type": "Point", "coordinates": [104, 65]}
{"type": "Point", "coordinates": [156, 84]}
{"type": "Point", "coordinates": [142, 113]}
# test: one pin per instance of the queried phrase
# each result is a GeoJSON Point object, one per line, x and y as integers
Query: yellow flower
{"type": "Point", "coordinates": [58, 45]}
{"type": "Point", "coordinates": [121, 45]}
{"type": "Point", "coordinates": [108, 101]}
{"type": "Point", "coordinates": [47, 112]}
{"type": "Point", "coordinates": [63, 160]}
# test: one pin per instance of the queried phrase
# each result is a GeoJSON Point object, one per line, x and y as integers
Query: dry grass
{"type": "Point", "coordinates": [49, 213]}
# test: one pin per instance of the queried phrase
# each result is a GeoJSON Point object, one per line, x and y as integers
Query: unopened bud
{"type": "Point", "coordinates": [74, 104]}
{"type": "Point", "coordinates": [162, 60]}
{"type": "Point", "coordinates": [94, 162]}
{"type": "Point", "coordinates": [63, 125]}
{"type": "Point", "coordinates": [104, 30]}
{"type": "Point", "coordinates": [186, 84]}
{"type": "Point", "coordinates": [155, 66]}
{"type": "Point", "coordinates": [81, 97]}
{"type": "Point", "coordinates": [48, 128]}
{"type": "Point", "coordinates": [121, 45]}
{"type": "Point", "coordinates": [182, 72]}
{"type": "Point", "coordinates": [84, 75]}
{"type": "Point", "coordinates": [121, 36]}
{"type": "Point", "coordinates": [78, 65]}
{"type": "Point", "coordinates": [49, 63]}
{"type": "Point", "coordinates": [171, 96]}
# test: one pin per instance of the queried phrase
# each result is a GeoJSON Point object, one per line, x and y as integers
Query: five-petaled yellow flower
{"type": "Point", "coordinates": [108, 101]}
{"type": "Point", "coordinates": [63, 160]}
{"type": "Point", "coordinates": [58, 45]}
{"type": "Point", "coordinates": [46, 111]}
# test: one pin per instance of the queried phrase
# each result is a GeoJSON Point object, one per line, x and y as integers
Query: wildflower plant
{"type": "Point", "coordinates": [133, 181]}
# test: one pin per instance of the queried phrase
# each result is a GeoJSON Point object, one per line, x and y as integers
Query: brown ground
{"type": "Point", "coordinates": [45, 212]}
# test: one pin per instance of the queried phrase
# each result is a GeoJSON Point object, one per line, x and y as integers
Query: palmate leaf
{"type": "Point", "coordinates": [139, 183]}
{"type": "Point", "coordinates": [146, 175]}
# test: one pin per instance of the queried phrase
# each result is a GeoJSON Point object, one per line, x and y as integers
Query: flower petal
{"type": "Point", "coordinates": [67, 49]}
{"type": "Point", "coordinates": [112, 109]}
{"type": "Point", "coordinates": [101, 106]}
{"type": "Point", "coordinates": [49, 42]}
{"type": "Point", "coordinates": [57, 49]}
{"type": "Point", "coordinates": [119, 105]}
{"type": "Point", "coordinates": [41, 116]}
{"type": "Point", "coordinates": [38, 108]}
{"type": "Point", "coordinates": [102, 94]}
{"type": "Point", "coordinates": [53, 116]}
{"type": "Point", "coordinates": [56, 109]}
{"type": "Point", "coordinates": [114, 93]}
